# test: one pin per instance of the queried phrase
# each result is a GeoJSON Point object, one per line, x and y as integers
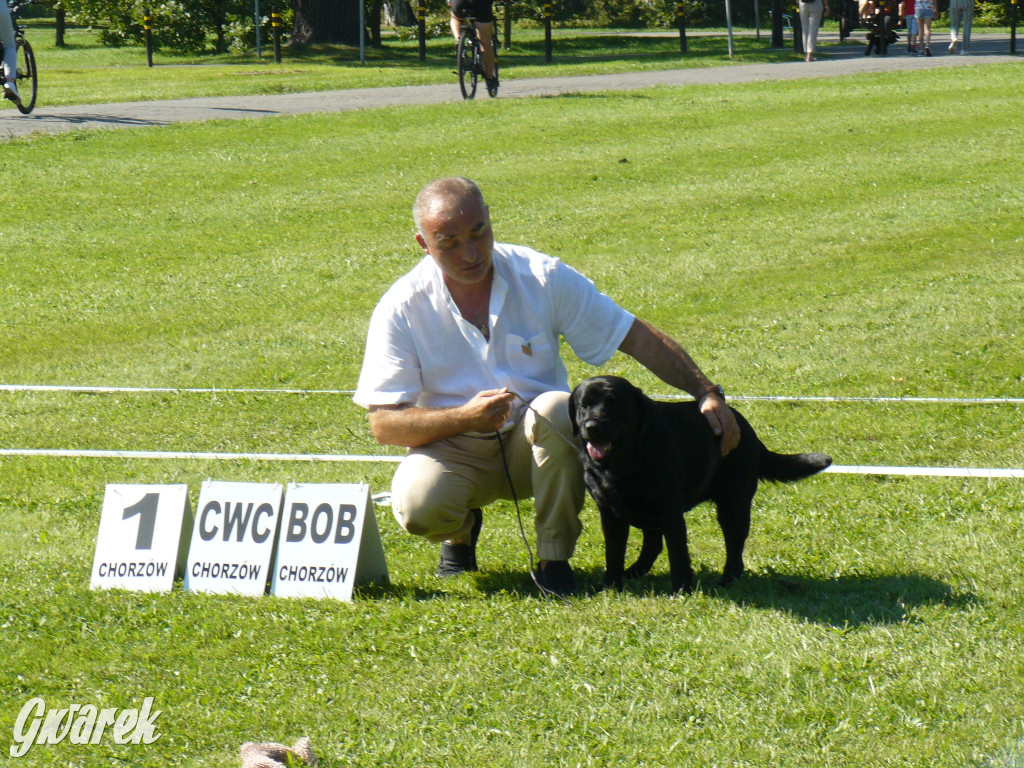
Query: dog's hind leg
{"type": "Point", "coordinates": [734, 519]}
{"type": "Point", "coordinates": [649, 551]}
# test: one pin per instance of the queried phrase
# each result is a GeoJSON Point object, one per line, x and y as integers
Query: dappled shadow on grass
{"type": "Point", "coordinates": [843, 602]}
{"type": "Point", "coordinates": [510, 581]}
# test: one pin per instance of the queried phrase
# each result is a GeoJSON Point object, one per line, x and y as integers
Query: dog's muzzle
{"type": "Point", "coordinates": [597, 445]}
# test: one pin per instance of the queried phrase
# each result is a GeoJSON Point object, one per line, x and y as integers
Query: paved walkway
{"type": "Point", "coordinates": [849, 59]}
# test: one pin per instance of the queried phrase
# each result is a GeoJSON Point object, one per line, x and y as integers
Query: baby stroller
{"type": "Point", "coordinates": [880, 18]}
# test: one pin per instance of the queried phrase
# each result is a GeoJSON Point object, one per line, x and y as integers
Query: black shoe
{"type": "Point", "coordinates": [461, 558]}
{"type": "Point", "coordinates": [556, 577]}
{"type": "Point", "coordinates": [492, 86]}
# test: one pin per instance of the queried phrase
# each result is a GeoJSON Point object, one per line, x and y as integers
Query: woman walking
{"type": "Point", "coordinates": [810, 20]}
{"type": "Point", "coordinates": [924, 10]}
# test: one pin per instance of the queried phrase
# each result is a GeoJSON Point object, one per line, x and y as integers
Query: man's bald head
{"type": "Point", "coordinates": [444, 196]}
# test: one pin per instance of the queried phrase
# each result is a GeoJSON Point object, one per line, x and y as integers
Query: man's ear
{"type": "Point", "coordinates": [422, 241]}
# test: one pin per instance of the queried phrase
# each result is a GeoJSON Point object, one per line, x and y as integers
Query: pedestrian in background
{"type": "Point", "coordinates": [924, 12]}
{"type": "Point", "coordinates": [961, 14]}
{"type": "Point", "coordinates": [811, 14]}
{"type": "Point", "coordinates": [910, 22]}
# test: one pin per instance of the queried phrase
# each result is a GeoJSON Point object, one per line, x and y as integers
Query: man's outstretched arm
{"type": "Point", "coordinates": [667, 360]}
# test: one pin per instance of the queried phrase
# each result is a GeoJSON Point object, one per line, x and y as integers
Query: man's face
{"type": "Point", "coordinates": [458, 237]}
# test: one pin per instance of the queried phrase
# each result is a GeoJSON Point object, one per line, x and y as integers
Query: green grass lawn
{"type": "Point", "coordinates": [783, 232]}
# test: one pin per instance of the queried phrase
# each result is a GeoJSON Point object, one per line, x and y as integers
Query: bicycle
{"type": "Point", "coordinates": [469, 55]}
{"type": "Point", "coordinates": [26, 77]}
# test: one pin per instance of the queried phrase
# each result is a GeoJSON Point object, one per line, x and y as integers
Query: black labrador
{"type": "Point", "coordinates": [647, 462]}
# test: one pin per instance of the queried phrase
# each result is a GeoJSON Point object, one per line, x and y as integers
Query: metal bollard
{"type": "Point", "coordinates": [547, 32]}
{"type": "Point", "coordinates": [147, 26]}
{"type": "Point", "coordinates": [507, 19]}
{"type": "Point", "coordinates": [798, 31]}
{"type": "Point", "coordinates": [681, 22]}
{"type": "Point", "coordinates": [275, 23]}
{"type": "Point", "coordinates": [1013, 26]}
{"type": "Point", "coordinates": [421, 24]}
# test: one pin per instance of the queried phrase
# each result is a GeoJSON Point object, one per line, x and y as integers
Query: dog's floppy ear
{"type": "Point", "coordinates": [572, 413]}
{"type": "Point", "coordinates": [642, 408]}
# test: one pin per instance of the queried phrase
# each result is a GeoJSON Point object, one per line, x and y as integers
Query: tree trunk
{"type": "Point", "coordinates": [326, 21]}
{"type": "Point", "coordinates": [373, 22]}
{"type": "Point", "coordinates": [61, 26]}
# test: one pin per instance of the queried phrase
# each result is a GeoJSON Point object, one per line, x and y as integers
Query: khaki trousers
{"type": "Point", "coordinates": [435, 486]}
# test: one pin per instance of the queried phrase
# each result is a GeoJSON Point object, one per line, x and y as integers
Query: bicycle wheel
{"type": "Point", "coordinates": [468, 53]}
{"type": "Point", "coordinates": [26, 77]}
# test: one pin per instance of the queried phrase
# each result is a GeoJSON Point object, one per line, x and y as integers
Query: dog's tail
{"type": "Point", "coordinates": [788, 468]}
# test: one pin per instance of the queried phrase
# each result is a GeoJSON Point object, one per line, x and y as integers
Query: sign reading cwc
{"type": "Point", "coordinates": [233, 538]}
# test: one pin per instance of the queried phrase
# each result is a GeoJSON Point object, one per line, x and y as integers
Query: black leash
{"type": "Point", "coordinates": [545, 592]}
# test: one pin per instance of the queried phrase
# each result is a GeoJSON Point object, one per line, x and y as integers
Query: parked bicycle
{"type": "Point", "coordinates": [25, 78]}
{"type": "Point", "coordinates": [469, 54]}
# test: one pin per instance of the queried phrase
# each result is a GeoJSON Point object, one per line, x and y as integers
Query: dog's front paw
{"type": "Point", "coordinates": [729, 577]}
{"type": "Point", "coordinates": [684, 586]}
{"type": "Point", "coordinates": [612, 582]}
{"type": "Point", "coordinates": [636, 570]}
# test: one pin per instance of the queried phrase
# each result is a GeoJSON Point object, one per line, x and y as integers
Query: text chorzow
{"type": "Point", "coordinates": [82, 725]}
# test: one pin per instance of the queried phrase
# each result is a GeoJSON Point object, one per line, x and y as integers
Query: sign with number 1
{"type": "Point", "coordinates": [143, 537]}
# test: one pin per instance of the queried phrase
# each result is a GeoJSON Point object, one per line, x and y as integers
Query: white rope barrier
{"type": "Point", "coordinates": [168, 390]}
{"type": "Point", "coordinates": [194, 455]}
{"type": "Point", "coordinates": [350, 392]}
{"type": "Point", "coordinates": [926, 471]}
{"type": "Point", "coordinates": [973, 472]}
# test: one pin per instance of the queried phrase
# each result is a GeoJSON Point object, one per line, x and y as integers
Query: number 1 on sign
{"type": "Point", "coordinates": [145, 508]}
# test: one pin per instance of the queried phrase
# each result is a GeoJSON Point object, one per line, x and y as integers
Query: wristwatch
{"type": "Point", "coordinates": [712, 389]}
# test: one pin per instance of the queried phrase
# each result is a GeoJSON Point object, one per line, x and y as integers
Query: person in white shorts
{"type": "Point", "coordinates": [455, 350]}
{"type": "Point", "coordinates": [924, 11]}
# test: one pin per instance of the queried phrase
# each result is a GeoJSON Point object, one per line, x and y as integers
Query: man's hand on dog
{"type": "Point", "coordinates": [723, 423]}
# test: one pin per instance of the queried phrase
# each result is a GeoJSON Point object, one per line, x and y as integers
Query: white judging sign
{"type": "Point", "coordinates": [328, 542]}
{"type": "Point", "coordinates": [143, 537]}
{"type": "Point", "coordinates": [233, 538]}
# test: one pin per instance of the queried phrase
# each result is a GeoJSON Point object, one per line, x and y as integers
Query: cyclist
{"type": "Point", "coordinates": [483, 13]}
{"type": "Point", "coordinates": [10, 53]}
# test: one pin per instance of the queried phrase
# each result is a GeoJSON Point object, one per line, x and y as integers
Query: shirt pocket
{"type": "Point", "coordinates": [533, 357]}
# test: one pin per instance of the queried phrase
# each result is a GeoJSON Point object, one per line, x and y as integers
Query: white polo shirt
{"type": "Point", "coordinates": [421, 351]}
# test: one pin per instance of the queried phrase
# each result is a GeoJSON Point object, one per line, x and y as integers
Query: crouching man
{"type": "Point", "coordinates": [456, 349]}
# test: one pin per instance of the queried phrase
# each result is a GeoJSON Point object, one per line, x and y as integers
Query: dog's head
{"type": "Point", "coordinates": [607, 413]}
